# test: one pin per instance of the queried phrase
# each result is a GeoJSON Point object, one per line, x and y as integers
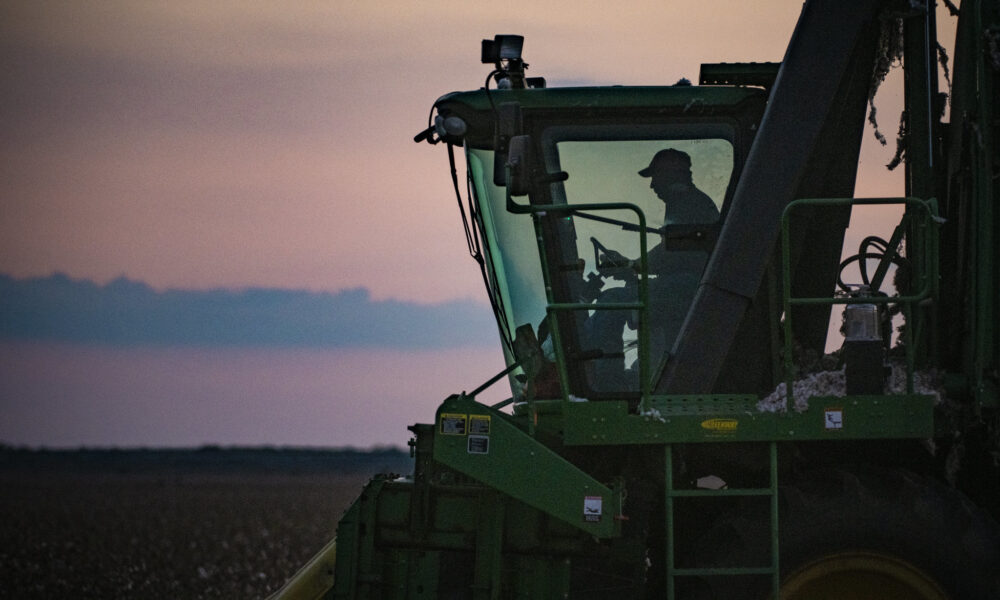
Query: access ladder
{"type": "Point", "coordinates": [674, 572]}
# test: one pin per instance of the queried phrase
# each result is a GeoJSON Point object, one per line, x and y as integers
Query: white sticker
{"type": "Point", "coordinates": [479, 444]}
{"type": "Point", "coordinates": [834, 419]}
{"type": "Point", "coordinates": [592, 507]}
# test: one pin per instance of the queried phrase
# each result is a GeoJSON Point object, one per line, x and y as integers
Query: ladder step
{"type": "Point", "coordinates": [723, 571]}
{"type": "Point", "coordinates": [722, 492]}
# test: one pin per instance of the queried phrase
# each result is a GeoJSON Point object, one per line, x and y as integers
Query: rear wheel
{"type": "Point", "coordinates": [867, 535]}
{"type": "Point", "coordinates": [855, 575]}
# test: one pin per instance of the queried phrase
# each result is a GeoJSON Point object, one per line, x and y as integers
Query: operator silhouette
{"type": "Point", "coordinates": [670, 179]}
{"type": "Point", "coordinates": [674, 275]}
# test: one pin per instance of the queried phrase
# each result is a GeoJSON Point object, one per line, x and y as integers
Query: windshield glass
{"type": "Point", "coordinates": [511, 250]}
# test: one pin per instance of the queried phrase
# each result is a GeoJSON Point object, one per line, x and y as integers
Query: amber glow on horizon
{"type": "Point", "coordinates": [157, 397]}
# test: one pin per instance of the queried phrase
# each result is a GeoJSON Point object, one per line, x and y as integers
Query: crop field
{"type": "Point", "coordinates": [209, 528]}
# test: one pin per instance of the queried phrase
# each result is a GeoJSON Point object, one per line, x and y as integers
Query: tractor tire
{"type": "Point", "coordinates": [862, 535]}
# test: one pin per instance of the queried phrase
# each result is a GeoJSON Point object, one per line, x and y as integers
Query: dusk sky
{"type": "Point", "coordinates": [183, 147]}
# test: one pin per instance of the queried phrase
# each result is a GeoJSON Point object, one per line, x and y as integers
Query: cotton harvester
{"type": "Point", "coordinates": [663, 263]}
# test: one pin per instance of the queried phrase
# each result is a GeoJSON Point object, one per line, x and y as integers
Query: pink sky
{"type": "Point", "coordinates": [232, 144]}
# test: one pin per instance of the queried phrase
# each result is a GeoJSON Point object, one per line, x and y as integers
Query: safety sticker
{"type": "Point", "coordinates": [479, 444]}
{"type": "Point", "coordinates": [453, 424]}
{"type": "Point", "coordinates": [833, 419]}
{"type": "Point", "coordinates": [592, 508]}
{"type": "Point", "coordinates": [479, 424]}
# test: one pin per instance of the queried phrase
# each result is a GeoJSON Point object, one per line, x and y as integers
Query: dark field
{"type": "Point", "coordinates": [211, 523]}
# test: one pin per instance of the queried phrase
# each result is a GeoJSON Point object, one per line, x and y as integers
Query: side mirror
{"type": "Point", "coordinates": [519, 161]}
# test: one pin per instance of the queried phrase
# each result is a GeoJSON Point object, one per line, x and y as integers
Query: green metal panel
{"type": "Point", "coordinates": [353, 571]}
{"type": "Point", "coordinates": [410, 574]}
{"type": "Point", "coordinates": [539, 576]}
{"type": "Point", "coordinates": [482, 443]}
{"type": "Point", "coordinates": [737, 419]}
{"type": "Point", "coordinates": [489, 548]}
{"type": "Point", "coordinates": [512, 550]}
{"type": "Point", "coordinates": [985, 163]}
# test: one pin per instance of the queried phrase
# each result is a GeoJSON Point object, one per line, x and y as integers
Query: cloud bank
{"type": "Point", "coordinates": [127, 312]}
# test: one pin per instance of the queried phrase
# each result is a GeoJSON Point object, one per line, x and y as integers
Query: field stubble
{"type": "Point", "coordinates": [164, 535]}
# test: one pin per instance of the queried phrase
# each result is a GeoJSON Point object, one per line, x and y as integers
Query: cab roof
{"type": "Point", "coordinates": [477, 108]}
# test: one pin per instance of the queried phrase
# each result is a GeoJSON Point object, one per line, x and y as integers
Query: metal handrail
{"type": "Point", "coordinates": [553, 308]}
{"type": "Point", "coordinates": [926, 243]}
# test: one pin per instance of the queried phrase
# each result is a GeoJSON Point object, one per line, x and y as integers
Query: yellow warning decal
{"type": "Point", "coordinates": [721, 425]}
{"type": "Point", "coordinates": [453, 424]}
{"type": "Point", "coordinates": [479, 424]}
